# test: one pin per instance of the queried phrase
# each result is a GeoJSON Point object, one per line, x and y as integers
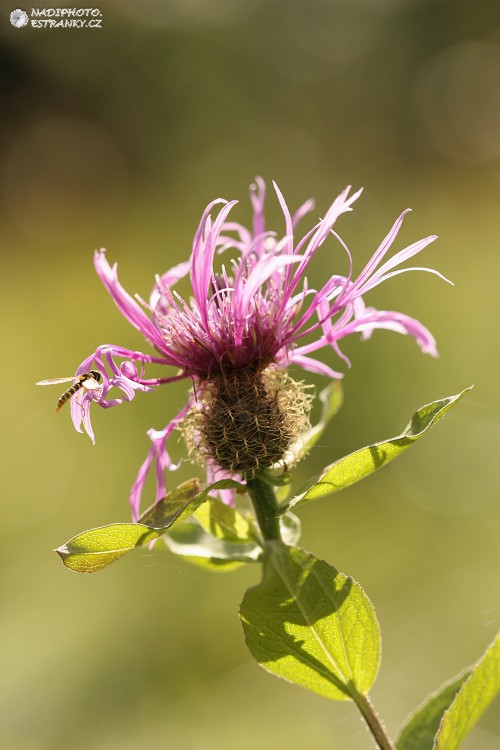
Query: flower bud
{"type": "Point", "coordinates": [246, 419]}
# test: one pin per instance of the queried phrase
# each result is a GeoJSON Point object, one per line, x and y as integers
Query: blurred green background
{"type": "Point", "coordinates": [119, 137]}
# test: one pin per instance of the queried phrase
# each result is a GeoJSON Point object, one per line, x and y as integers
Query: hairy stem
{"type": "Point", "coordinates": [373, 721]}
{"type": "Point", "coordinates": [266, 508]}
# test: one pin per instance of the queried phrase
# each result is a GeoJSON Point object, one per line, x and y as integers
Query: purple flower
{"type": "Point", "coordinates": [250, 314]}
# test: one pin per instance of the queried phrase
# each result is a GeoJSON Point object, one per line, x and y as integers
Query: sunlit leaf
{"type": "Point", "coordinates": [161, 514]}
{"type": "Point", "coordinates": [97, 548]}
{"type": "Point", "coordinates": [191, 541]}
{"type": "Point", "coordinates": [282, 493]}
{"type": "Point", "coordinates": [358, 465]}
{"type": "Point", "coordinates": [181, 502]}
{"type": "Point", "coordinates": [291, 529]}
{"type": "Point", "coordinates": [219, 538]}
{"type": "Point", "coordinates": [473, 698]}
{"type": "Point", "coordinates": [419, 731]}
{"type": "Point", "coordinates": [225, 522]}
{"type": "Point", "coordinates": [312, 625]}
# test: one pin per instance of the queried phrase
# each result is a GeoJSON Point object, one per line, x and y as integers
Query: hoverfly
{"type": "Point", "coordinates": [88, 380]}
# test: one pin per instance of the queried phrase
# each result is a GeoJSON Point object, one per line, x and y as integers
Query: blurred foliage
{"type": "Point", "coordinates": [119, 137]}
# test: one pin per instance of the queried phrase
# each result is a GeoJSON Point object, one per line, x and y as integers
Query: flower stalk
{"type": "Point", "coordinates": [266, 508]}
{"type": "Point", "coordinates": [373, 722]}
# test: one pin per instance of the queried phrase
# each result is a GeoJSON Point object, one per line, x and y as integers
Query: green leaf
{"type": "Point", "coordinates": [191, 541]}
{"type": "Point", "coordinates": [97, 548]}
{"type": "Point", "coordinates": [224, 522]}
{"type": "Point", "coordinates": [331, 399]}
{"type": "Point", "coordinates": [219, 538]}
{"type": "Point", "coordinates": [358, 465]}
{"type": "Point", "coordinates": [182, 502]}
{"type": "Point", "coordinates": [473, 698]}
{"type": "Point", "coordinates": [447, 716]}
{"type": "Point", "coordinates": [291, 529]}
{"type": "Point", "coordinates": [419, 731]}
{"type": "Point", "coordinates": [312, 625]}
{"type": "Point", "coordinates": [169, 509]}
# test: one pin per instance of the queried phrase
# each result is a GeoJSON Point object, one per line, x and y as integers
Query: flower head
{"type": "Point", "coordinates": [242, 325]}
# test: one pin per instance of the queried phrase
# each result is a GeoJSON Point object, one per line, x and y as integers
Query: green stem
{"type": "Point", "coordinates": [266, 508]}
{"type": "Point", "coordinates": [373, 721]}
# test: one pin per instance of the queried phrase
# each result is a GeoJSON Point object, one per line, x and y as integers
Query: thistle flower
{"type": "Point", "coordinates": [238, 332]}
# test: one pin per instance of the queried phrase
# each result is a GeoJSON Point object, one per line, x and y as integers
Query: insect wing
{"type": "Point", "coordinates": [91, 385]}
{"type": "Point", "coordinates": [55, 381]}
